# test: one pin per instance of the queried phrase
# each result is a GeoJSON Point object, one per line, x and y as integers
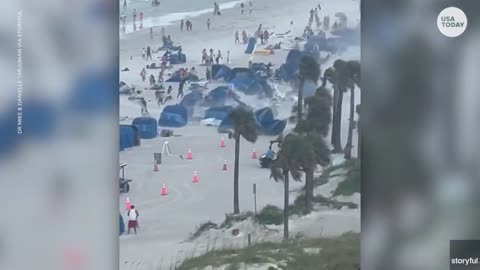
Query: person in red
{"type": "Point", "coordinates": [132, 219]}
{"type": "Point", "coordinates": [141, 16]}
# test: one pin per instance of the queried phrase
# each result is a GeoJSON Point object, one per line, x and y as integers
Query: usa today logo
{"type": "Point", "coordinates": [452, 22]}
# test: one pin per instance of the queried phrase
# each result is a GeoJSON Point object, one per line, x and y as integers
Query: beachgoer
{"type": "Point", "coordinates": [212, 56]}
{"type": "Point", "coordinates": [144, 53]}
{"type": "Point", "coordinates": [208, 24]}
{"type": "Point", "coordinates": [141, 16]}
{"type": "Point", "coordinates": [160, 76]}
{"type": "Point", "coordinates": [250, 5]}
{"type": "Point", "coordinates": [217, 7]}
{"type": "Point", "coordinates": [152, 80]}
{"type": "Point", "coordinates": [180, 89]}
{"type": "Point", "coordinates": [143, 74]}
{"type": "Point", "coordinates": [262, 38]}
{"type": "Point", "coordinates": [242, 8]}
{"type": "Point", "coordinates": [228, 57]}
{"type": "Point", "coordinates": [144, 110]}
{"type": "Point", "coordinates": [204, 56]}
{"type": "Point", "coordinates": [169, 90]}
{"type": "Point", "coordinates": [124, 3]}
{"type": "Point", "coordinates": [219, 56]}
{"type": "Point", "coordinates": [163, 31]}
{"type": "Point", "coordinates": [244, 36]}
{"type": "Point", "coordinates": [266, 36]}
{"type": "Point", "coordinates": [237, 37]}
{"type": "Point", "coordinates": [159, 97]}
{"type": "Point", "coordinates": [134, 15]}
{"type": "Point", "coordinates": [208, 74]}
{"type": "Point", "coordinates": [151, 32]}
{"type": "Point", "coordinates": [132, 219]}
{"type": "Point", "coordinates": [149, 53]}
{"type": "Point", "coordinates": [181, 25]}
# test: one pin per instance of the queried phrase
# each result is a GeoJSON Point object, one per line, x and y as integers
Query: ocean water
{"type": "Point", "coordinates": [170, 11]}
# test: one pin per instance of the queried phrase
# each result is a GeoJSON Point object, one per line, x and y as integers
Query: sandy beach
{"type": "Point", "coordinates": [167, 221]}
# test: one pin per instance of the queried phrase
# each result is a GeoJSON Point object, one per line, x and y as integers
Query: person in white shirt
{"type": "Point", "coordinates": [132, 219]}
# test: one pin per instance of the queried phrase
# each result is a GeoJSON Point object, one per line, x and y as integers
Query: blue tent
{"type": "Point", "coordinates": [147, 127]}
{"type": "Point", "coordinates": [247, 82]}
{"type": "Point", "coordinates": [128, 136]}
{"type": "Point", "coordinates": [219, 113]}
{"type": "Point", "coordinates": [273, 129]}
{"type": "Point", "coordinates": [264, 116]}
{"type": "Point", "coordinates": [225, 125]}
{"type": "Point", "coordinates": [266, 123]}
{"type": "Point", "coordinates": [175, 77]}
{"type": "Point", "coordinates": [192, 98]}
{"type": "Point", "coordinates": [218, 96]}
{"type": "Point", "coordinates": [173, 116]}
{"type": "Point", "coordinates": [95, 92]}
{"type": "Point", "coordinates": [221, 72]}
{"type": "Point", "coordinates": [250, 45]}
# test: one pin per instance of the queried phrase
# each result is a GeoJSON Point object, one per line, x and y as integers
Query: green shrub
{"type": "Point", "coordinates": [203, 228]}
{"type": "Point", "coordinates": [270, 215]}
{"type": "Point", "coordinates": [231, 219]}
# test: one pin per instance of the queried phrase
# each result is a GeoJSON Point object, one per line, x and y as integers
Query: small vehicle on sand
{"type": "Point", "coordinates": [124, 183]}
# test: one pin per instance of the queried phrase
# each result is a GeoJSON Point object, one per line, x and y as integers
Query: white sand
{"type": "Point", "coordinates": [167, 221]}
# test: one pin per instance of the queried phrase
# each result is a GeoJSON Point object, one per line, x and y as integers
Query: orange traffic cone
{"type": "Point", "coordinates": [224, 165]}
{"type": "Point", "coordinates": [189, 154]}
{"type": "Point", "coordinates": [254, 154]}
{"type": "Point", "coordinates": [127, 204]}
{"type": "Point", "coordinates": [222, 142]}
{"type": "Point", "coordinates": [195, 177]}
{"type": "Point", "coordinates": [155, 166]}
{"type": "Point", "coordinates": [164, 190]}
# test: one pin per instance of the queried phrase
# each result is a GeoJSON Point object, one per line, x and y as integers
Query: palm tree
{"type": "Point", "coordinates": [282, 167]}
{"type": "Point", "coordinates": [353, 70]}
{"type": "Point", "coordinates": [339, 76]}
{"type": "Point", "coordinates": [243, 126]}
{"type": "Point", "coordinates": [308, 69]}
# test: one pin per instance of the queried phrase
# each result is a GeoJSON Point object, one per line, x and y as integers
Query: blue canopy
{"type": "Point", "coordinates": [128, 136]}
{"type": "Point", "coordinates": [273, 129]}
{"type": "Point", "coordinates": [219, 113]}
{"type": "Point", "coordinates": [266, 123]}
{"type": "Point", "coordinates": [147, 127]}
{"type": "Point", "coordinates": [178, 58]}
{"type": "Point", "coordinates": [173, 116]}
{"type": "Point", "coordinates": [218, 96]}
{"type": "Point", "coordinates": [246, 81]}
{"type": "Point", "coordinates": [192, 98]}
{"type": "Point", "coordinates": [175, 77]}
{"type": "Point", "coordinates": [221, 72]}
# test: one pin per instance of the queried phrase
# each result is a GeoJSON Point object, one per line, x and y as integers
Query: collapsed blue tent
{"type": "Point", "coordinates": [128, 136]}
{"type": "Point", "coordinates": [264, 116]}
{"type": "Point", "coordinates": [95, 92]}
{"type": "Point", "coordinates": [173, 116]}
{"type": "Point", "coordinates": [246, 81]}
{"type": "Point", "coordinates": [218, 96]}
{"type": "Point", "coordinates": [219, 113]}
{"type": "Point", "coordinates": [250, 45]}
{"type": "Point", "coordinates": [221, 72]}
{"type": "Point", "coordinates": [287, 71]}
{"type": "Point", "coordinates": [192, 98]}
{"type": "Point", "coordinates": [147, 127]}
{"type": "Point", "coordinates": [273, 129]}
{"type": "Point", "coordinates": [266, 124]}
{"type": "Point", "coordinates": [175, 77]}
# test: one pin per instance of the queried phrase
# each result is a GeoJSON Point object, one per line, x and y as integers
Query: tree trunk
{"type": "Point", "coordinates": [337, 123]}
{"type": "Point", "coordinates": [236, 204]}
{"type": "Point", "coordinates": [348, 147]}
{"type": "Point", "coordinates": [300, 102]}
{"type": "Point", "coordinates": [334, 110]}
{"type": "Point", "coordinates": [285, 205]}
{"type": "Point", "coordinates": [308, 190]}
